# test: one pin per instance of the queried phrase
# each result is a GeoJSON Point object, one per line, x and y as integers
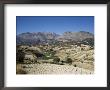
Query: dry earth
{"type": "Point", "coordinates": [47, 68]}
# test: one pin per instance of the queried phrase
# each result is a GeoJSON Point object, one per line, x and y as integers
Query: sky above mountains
{"type": "Point", "coordinates": [56, 24]}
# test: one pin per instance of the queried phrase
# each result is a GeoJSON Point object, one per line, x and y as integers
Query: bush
{"type": "Point", "coordinates": [62, 62]}
{"type": "Point", "coordinates": [20, 56]}
{"type": "Point", "coordinates": [38, 54]}
{"type": "Point", "coordinates": [56, 60]}
{"type": "Point", "coordinates": [69, 60]}
{"type": "Point", "coordinates": [75, 65]}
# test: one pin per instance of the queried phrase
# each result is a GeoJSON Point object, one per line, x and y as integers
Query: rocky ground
{"type": "Point", "coordinates": [52, 69]}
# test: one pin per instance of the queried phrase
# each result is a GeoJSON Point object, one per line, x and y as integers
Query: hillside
{"type": "Point", "coordinates": [50, 53]}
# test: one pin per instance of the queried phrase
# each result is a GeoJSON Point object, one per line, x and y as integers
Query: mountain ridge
{"type": "Point", "coordinates": [49, 37]}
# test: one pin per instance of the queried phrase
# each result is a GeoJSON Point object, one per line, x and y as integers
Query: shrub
{"type": "Point", "coordinates": [56, 60]}
{"type": "Point", "coordinates": [37, 54]}
{"type": "Point", "coordinates": [20, 56]}
{"type": "Point", "coordinates": [69, 60]}
{"type": "Point", "coordinates": [75, 65]}
{"type": "Point", "coordinates": [61, 63]}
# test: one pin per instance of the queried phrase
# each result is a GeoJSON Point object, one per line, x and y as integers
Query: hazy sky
{"type": "Point", "coordinates": [57, 24]}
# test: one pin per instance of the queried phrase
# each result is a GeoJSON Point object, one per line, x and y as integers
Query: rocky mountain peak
{"type": "Point", "coordinates": [47, 37]}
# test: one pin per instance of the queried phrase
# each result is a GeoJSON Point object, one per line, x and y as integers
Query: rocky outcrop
{"type": "Point", "coordinates": [51, 38]}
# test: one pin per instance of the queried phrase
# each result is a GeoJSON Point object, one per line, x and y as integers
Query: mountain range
{"type": "Point", "coordinates": [50, 37]}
